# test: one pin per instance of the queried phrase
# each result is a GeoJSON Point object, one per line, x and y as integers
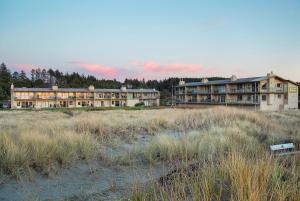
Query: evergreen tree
{"type": "Point", "coordinates": [5, 81]}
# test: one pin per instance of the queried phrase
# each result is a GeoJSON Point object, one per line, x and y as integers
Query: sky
{"type": "Point", "coordinates": [152, 39]}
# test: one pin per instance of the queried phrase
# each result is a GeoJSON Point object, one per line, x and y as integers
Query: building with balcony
{"type": "Point", "coordinates": [269, 92]}
{"type": "Point", "coordinates": [81, 97]}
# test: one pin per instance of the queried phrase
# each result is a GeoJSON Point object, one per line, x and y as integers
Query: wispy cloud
{"type": "Point", "coordinates": [172, 68]}
{"type": "Point", "coordinates": [25, 67]}
{"type": "Point", "coordinates": [98, 69]}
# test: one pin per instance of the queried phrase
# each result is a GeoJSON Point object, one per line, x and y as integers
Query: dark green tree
{"type": "Point", "coordinates": [5, 81]}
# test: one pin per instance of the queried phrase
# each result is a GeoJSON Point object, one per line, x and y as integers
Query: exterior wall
{"type": "Point", "coordinates": [273, 102]}
{"type": "Point", "coordinates": [278, 93]}
{"type": "Point", "coordinates": [292, 96]}
{"type": "Point", "coordinates": [56, 99]}
{"type": "Point", "coordinates": [132, 102]}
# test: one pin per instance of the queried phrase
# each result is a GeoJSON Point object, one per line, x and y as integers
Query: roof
{"type": "Point", "coordinates": [24, 89]}
{"type": "Point", "coordinates": [227, 81]}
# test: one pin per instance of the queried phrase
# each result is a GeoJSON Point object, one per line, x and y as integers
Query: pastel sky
{"type": "Point", "coordinates": [153, 39]}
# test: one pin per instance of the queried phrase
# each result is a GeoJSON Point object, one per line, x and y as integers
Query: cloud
{"type": "Point", "coordinates": [173, 68]}
{"type": "Point", "coordinates": [98, 69]}
{"type": "Point", "coordinates": [25, 67]}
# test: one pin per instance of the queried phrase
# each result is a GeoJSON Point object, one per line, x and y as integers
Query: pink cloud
{"type": "Point", "coordinates": [99, 69]}
{"type": "Point", "coordinates": [25, 67]}
{"type": "Point", "coordinates": [154, 67]}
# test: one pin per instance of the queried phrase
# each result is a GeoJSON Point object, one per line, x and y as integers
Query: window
{"type": "Point", "coordinates": [18, 104]}
{"type": "Point", "coordinates": [278, 85]}
{"type": "Point", "coordinates": [79, 103]}
{"type": "Point", "coordinates": [248, 98]}
{"type": "Point", "coordinates": [263, 97]}
{"type": "Point", "coordinates": [279, 96]}
{"type": "Point", "coordinates": [240, 98]}
{"type": "Point", "coordinates": [71, 102]}
{"type": "Point", "coordinates": [264, 86]}
{"type": "Point", "coordinates": [113, 102]}
{"type": "Point", "coordinates": [256, 98]}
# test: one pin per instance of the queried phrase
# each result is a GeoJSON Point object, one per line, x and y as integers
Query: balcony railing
{"type": "Point", "coordinates": [181, 92]}
{"type": "Point", "coordinates": [198, 91]}
{"type": "Point", "coordinates": [227, 101]}
{"type": "Point", "coordinates": [219, 91]}
{"type": "Point", "coordinates": [235, 101]}
{"type": "Point", "coordinates": [234, 90]}
{"type": "Point", "coordinates": [243, 90]}
{"type": "Point", "coordinates": [273, 89]}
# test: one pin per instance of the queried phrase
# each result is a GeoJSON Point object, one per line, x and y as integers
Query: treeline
{"type": "Point", "coordinates": [46, 78]}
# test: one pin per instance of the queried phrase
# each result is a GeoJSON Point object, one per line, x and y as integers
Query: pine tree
{"type": "Point", "coordinates": [5, 81]}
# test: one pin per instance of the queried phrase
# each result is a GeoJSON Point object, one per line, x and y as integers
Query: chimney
{"type": "Point", "coordinates": [91, 88]}
{"type": "Point", "coordinates": [181, 82]}
{"type": "Point", "coordinates": [233, 78]}
{"type": "Point", "coordinates": [270, 74]}
{"type": "Point", "coordinates": [55, 88]}
{"type": "Point", "coordinates": [204, 80]}
{"type": "Point", "coordinates": [123, 88]}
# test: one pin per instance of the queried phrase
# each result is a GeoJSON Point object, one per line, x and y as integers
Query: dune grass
{"type": "Point", "coordinates": [43, 140]}
{"type": "Point", "coordinates": [224, 155]}
{"type": "Point", "coordinates": [220, 153]}
{"type": "Point", "coordinates": [234, 177]}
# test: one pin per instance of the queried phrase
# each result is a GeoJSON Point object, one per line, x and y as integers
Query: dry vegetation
{"type": "Point", "coordinates": [220, 153]}
{"type": "Point", "coordinates": [223, 154]}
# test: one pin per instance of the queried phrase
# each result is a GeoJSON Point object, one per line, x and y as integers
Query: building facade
{"type": "Point", "coordinates": [269, 92]}
{"type": "Point", "coordinates": [81, 97]}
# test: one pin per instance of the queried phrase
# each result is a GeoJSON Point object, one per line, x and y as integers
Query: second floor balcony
{"type": "Point", "coordinates": [198, 91]}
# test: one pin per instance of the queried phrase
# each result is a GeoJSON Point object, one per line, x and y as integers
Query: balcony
{"type": "Point", "coordinates": [246, 102]}
{"type": "Point", "coordinates": [198, 91]}
{"type": "Point", "coordinates": [200, 101]}
{"type": "Point", "coordinates": [219, 91]}
{"type": "Point", "coordinates": [215, 101]}
{"type": "Point", "coordinates": [242, 90]}
{"type": "Point", "coordinates": [24, 98]}
{"type": "Point", "coordinates": [180, 92]}
{"type": "Point", "coordinates": [273, 89]}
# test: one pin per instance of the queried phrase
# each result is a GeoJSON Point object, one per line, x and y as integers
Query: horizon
{"type": "Point", "coordinates": [153, 40]}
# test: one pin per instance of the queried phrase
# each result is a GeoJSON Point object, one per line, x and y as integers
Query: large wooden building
{"type": "Point", "coordinates": [81, 97]}
{"type": "Point", "coordinates": [269, 92]}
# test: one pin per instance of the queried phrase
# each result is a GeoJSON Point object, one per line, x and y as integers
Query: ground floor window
{"type": "Point", "coordinates": [240, 98]}
{"type": "Point", "coordinates": [263, 97]}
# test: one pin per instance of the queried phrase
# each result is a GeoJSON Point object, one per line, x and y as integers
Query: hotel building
{"type": "Point", "coordinates": [81, 97]}
{"type": "Point", "coordinates": [269, 92]}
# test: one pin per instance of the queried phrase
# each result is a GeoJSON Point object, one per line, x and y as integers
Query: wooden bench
{"type": "Point", "coordinates": [284, 149]}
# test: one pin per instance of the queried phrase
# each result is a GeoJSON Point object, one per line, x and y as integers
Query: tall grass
{"type": "Point", "coordinates": [19, 153]}
{"type": "Point", "coordinates": [224, 155]}
{"type": "Point", "coordinates": [221, 153]}
{"type": "Point", "coordinates": [235, 177]}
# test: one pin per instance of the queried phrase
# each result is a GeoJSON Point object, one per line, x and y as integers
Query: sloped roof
{"type": "Point", "coordinates": [227, 81]}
